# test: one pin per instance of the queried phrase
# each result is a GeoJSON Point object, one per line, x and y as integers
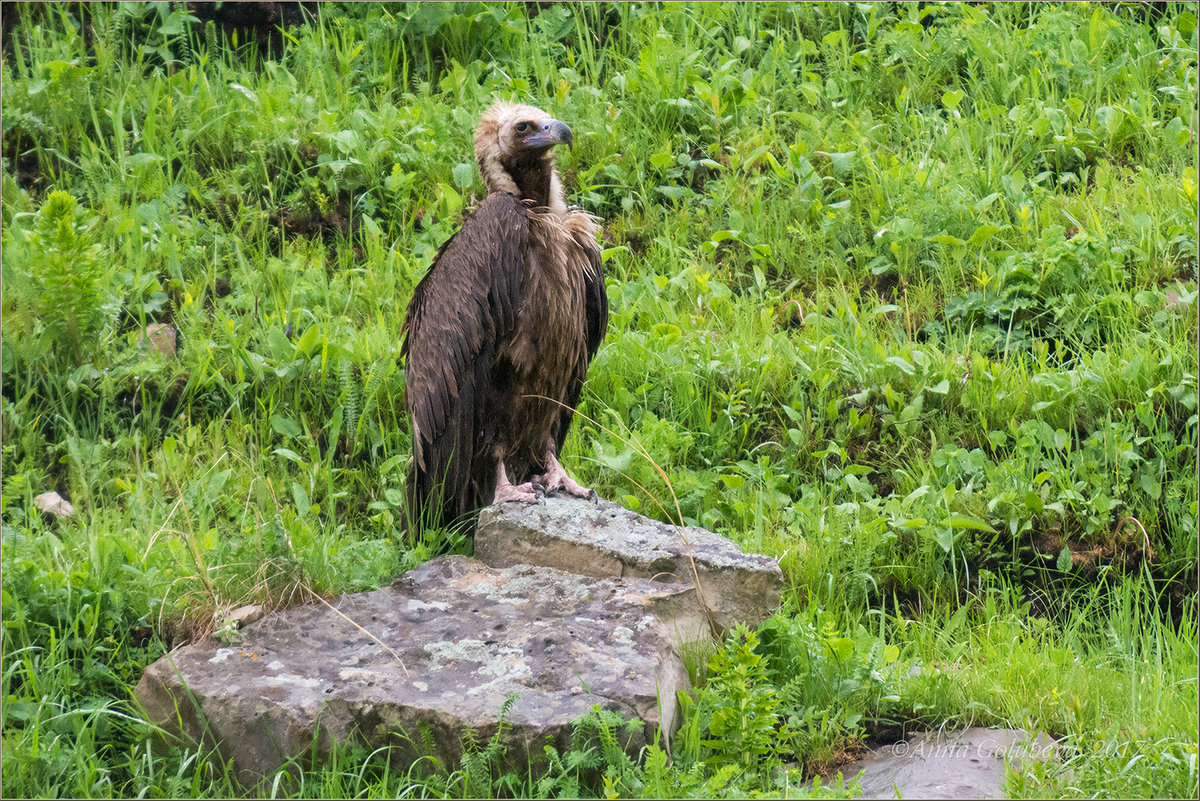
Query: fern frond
{"type": "Point", "coordinates": [349, 389]}
{"type": "Point", "coordinates": [68, 278]}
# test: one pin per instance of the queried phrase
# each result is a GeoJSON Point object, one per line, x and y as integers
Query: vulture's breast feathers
{"type": "Point", "coordinates": [550, 330]}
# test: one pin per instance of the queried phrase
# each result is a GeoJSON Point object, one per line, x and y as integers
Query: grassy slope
{"type": "Point", "coordinates": [975, 457]}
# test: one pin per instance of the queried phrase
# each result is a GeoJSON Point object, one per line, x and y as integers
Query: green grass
{"type": "Point", "coordinates": [975, 457]}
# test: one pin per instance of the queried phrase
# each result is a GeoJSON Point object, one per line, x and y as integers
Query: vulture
{"type": "Point", "coordinates": [500, 331]}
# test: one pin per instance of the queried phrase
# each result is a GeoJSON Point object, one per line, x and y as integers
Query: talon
{"type": "Point", "coordinates": [538, 489]}
{"type": "Point", "coordinates": [594, 497]}
{"type": "Point", "coordinates": [557, 480]}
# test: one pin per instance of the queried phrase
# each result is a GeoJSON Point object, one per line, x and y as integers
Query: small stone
{"type": "Point", "coordinates": [160, 338]}
{"type": "Point", "coordinates": [608, 540]}
{"type": "Point", "coordinates": [52, 503]}
{"type": "Point", "coordinates": [245, 615]}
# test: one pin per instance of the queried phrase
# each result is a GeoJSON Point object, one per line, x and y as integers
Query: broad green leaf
{"type": "Point", "coordinates": [145, 159]}
{"type": "Point", "coordinates": [982, 234]}
{"type": "Point", "coordinates": [619, 462]}
{"type": "Point", "coordinates": [842, 162]}
{"type": "Point", "coordinates": [217, 483]}
{"type": "Point", "coordinates": [841, 647]}
{"type": "Point", "coordinates": [946, 239]}
{"type": "Point", "coordinates": [1186, 23]}
{"type": "Point", "coordinates": [285, 426]}
{"type": "Point", "coordinates": [307, 344]}
{"type": "Point", "coordinates": [966, 521]}
{"type": "Point", "coordinates": [1151, 486]}
{"type": "Point", "coordinates": [1097, 30]}
{"type": "Point", "coordinates": [391, 463]}
{"type": "Point", "coordinates": [463, 174]}
{"type": "Point", "coordinates": [1064, 560]}
{"type": "Point", "coordinates": [984, 202]}
{"type": "Point", "coordinates": [667, 331]}
{"type": "Point", "coordinates": [945, 538]}
{"type": "Point", "coordinates": [834, 38]}
{"type": "Point", "coordinates": [661, 160]}
{"type": "Point", "coordinates": [289, 454]}
{"type": "Point", "coordinates": [956, 621]}
{"type": "Point", "coordinates": [301, 499]}
{"type": "Point", "coordinates": [374, 231]}
{"type": "Point", "coordinates": [451, 199]}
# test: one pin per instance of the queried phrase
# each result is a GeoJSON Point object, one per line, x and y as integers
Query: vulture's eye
{"type": "Point", "coordinates": [522, 127]}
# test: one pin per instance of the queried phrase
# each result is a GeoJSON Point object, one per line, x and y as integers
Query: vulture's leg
{"type": "Point", "coordinates": [556, 478]}
{"type": "Point", "coordinates": [507, 491]}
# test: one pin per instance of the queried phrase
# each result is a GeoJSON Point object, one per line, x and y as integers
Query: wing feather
{"type": "Point", "coordinates": [465, 303]}
{"type": "Point", "coordinates": [596, 297]}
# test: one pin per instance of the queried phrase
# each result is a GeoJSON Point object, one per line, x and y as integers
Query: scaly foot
{"type": "Point", "coordinates": [529, 492]}
{"type": "Point", "coordinates": [555, 478]}
{"type": "Point", "coordinates": [522, 493]}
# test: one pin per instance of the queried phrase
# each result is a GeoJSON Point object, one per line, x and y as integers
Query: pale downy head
{"type": "Point", "coordinates": [514, 146]}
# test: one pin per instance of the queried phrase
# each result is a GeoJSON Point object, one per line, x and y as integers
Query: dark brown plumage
{"type": "Point", "coordinates": [500, 331]}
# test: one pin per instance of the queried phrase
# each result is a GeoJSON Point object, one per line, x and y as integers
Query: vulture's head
{"type": "Point", "coordinates": [514, 147]}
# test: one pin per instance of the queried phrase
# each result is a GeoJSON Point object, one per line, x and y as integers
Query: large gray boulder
{"type": "Point", "coordinates": [605, 539]}
{"type": "Point", "coordinates": [440, 650]}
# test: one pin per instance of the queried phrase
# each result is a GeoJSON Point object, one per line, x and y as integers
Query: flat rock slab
{"type": "Point", "coordinates": [454, 639]}
{"type": "Point", "coordinates": [605, 539]}
{"type": "Point", "coordinates": [962, 764]}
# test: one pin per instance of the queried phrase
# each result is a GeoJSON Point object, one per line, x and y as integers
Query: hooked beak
{"type": "Point", "coordinates": [552, 132]}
